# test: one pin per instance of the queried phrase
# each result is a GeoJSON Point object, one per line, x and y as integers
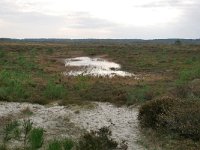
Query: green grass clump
{"type": "Point", "coordinates": [82, 83]}
{"type": "Point", "coordinates": [10, 131]}
{"type": "Point", "coordinates": [3, 147]}
{"type": "Point", "coordinates": [104, 92]}
{"type": "Point", "coordinates": [192, 60]}
{"type": "Point", "coordinates": [54, 91]}
{"type": "Point", "coordinates": [68, 144]}
{"type": "Point", "coordinates": [14, 85]}
{"type": "Point", "coordinates": [25, 63]}
{"type": "Point", "coordinates": [55, 145]}
{"type": "Point", "coordinates": [27, 127]}
{"type": "Point", "coordinates": [2, 54]}
{"type": "Point", "coordinates": [191, 73]}
{"type": "Point", "coordinates": [183, 88]}
{"type": "Point", "coordinates": [49, 51]}
{"type": "Point", "coordinates": [139, 94]}
{"type": "Point", "coordinates": [36, 138]}
{"type": "Point", "coordinates": [97, 140]}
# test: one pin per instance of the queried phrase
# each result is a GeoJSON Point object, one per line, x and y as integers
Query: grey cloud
{"type": "Point", "coordinates": [188, 26]}
{"type": "Point", "coordinates": [85, 20]}
{"type": "Point", "coordinates": [34, 24]}
{"type": "Point", "coordinates": [10, 12]}
{"type": "Point", "coordinates": [168, 3]}
{"type": "Point", "coordinates": [189, 23]}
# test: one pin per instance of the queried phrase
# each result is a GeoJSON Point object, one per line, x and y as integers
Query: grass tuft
{"type": "Point", "coordinates": [54, 91]}
{"type": "Point", "coordinates": [36, 138]}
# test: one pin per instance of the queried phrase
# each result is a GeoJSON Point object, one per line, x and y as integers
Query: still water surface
{"type": "Point", "coordinates": [94, 67]}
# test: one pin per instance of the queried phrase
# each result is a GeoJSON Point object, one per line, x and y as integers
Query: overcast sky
{"type": "Point", "coordinates": [145, 19]}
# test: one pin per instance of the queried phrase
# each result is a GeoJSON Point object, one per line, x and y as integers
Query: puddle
{"type": "Point", "coordinates": [94, 67]}
{"type": "Point", "coordinates": [61, 121]}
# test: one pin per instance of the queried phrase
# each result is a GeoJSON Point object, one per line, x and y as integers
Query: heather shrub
{"type": "Point", "coordinates": [139, 94]}
{"type": "Point", "coordinates": [150, 111]}
{"type": "Point", "coordinates": [172, 115]}
{"type": "Point", "coordinates": [97, 140]}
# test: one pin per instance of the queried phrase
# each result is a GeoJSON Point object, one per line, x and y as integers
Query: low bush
{"type": "Point", "coordinates": [36, 138]}
{"type": "Point", "coordinates": [97, 140]}
{"type": "Point", "coordinates": [66, 144]}
{"type": "Point", "coordinates": [172, 115]}
{"type": "Point", "coordinates": [54, 91]}
{"type": "Point", "coordinates": [104, 92]}
{"type": "Point", "coordinates": [2, 53]}
{"type": "Point", "coordinates": [3, 147]}
{"type": "Point", "coordinates": [138, 94]}
{"type": "Point", "coordinates": [191, 73]}
{"type": "Point", "coordinates": [55, 145]}
{"type": "Point", "coordinates": [14, 85]}
{"type": "Point", "coordinates": [181, 90]}
{"type": "Point", "coordinates": [150, 112]}
{"type": "Point", "coordinates": [24, 63]}
{"type": "Point", "coordinates": [10, 131]}
{"type": "Point", "coordinates": [27, 127]}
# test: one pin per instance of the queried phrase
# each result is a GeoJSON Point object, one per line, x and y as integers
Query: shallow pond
{"type": "Point", "coordinates": [94, 67]}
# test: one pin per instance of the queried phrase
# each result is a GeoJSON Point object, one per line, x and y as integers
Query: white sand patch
{"type": "Point", "coordinates": [61, 121]}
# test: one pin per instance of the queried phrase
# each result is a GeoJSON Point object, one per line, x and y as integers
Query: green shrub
{"type": "Point", "coordinates": [139, 94]}
{"type": "Point", "coordinates": [2, 53]}
{"type": "Point", "coordinates": [54, 91]}
{"type": "Point", "coordinates": [97, 140]}
{"type": "Point", "coordinates": [172, 115]}
{"type": "Point", "coordinates": [178, 42]}
{"type": "Point", "coordinates": [191, 73]}
{"type": "Point", "coordinates": [104, 92]}
{"type": "Point", "coordinates": [82, 82]}
{"type": "Point", "coordinates": [14, 85]}
{"type": "Point", "coordinates": [10, 131]}
{"type": "Point", "coordinates": [183, 118]}
{"type": "Point", "coordinates": [27, 127]}
{"type": "Point", "coordinates": [3, 147]}
{"type": "Point", "coordinates": [191, 60]}
{"type": "Point", "coordinates": [68, 144]}
{"type": "Point", "coordinates": [49, 51]}
{"type": "Point", "coordinates": [55, 145]}
{"type": "Point", "coordinates": [181, 90]}
{"type": "Point", "coordinates": [24, 63]}
{"type": "Point", "coordinates": [36, 138]}
{"type": "Point", "coordinates": [150, 112]}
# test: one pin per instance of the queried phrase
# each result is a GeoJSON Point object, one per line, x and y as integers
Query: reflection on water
{"type": "Point", "coordinates": [94, 67]}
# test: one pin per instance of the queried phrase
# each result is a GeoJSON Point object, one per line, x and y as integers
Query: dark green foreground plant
{"type": "Point", "coordinates": [66, 144]}
{"type": "Point", "coordinates": [97, 140]}
{"type": "Point", "coordinates": [10, 131]}
{"type": "Point", "coordinates": [36, 138]}
{"type": "Point", "coordinates": [33, 139]}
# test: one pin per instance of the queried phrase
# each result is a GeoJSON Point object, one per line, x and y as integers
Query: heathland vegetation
{"type": "Point", "coordinates": [167, 91]}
